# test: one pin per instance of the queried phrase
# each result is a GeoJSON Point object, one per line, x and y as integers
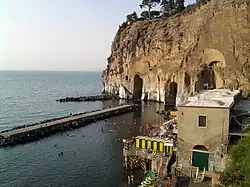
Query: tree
{"type": "Point", "coordinates": [238, 173]}
{"type": "Point", "coordinates": [149, 4]}
{"type": "Point", "coordinates": [201, 2]}
{"type": "Point", "coordinates": [179, 5]}
{"type": "Point", "coordinates": [168, 7]}
{"type": "Point", "coordinates": [154, 14]}
{"type": "Point", "coordinates": [131, 18]}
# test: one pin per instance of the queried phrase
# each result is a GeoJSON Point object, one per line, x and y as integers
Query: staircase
{"type": "Point", "coordinates": [199, 176]}
{"type": "Point", "coordinates": [162, 168]}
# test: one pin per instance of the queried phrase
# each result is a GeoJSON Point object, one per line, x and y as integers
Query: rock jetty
{"type": "Point", "coordinates": [88, 98]}
{"type": "Point", "coordinates": [32, 132]}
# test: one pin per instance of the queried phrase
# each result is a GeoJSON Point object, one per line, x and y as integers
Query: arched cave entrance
{"type": "Point", "coordinates": [158, 88]}
{"type": "Point", "coordinates": [170, 95]}
{"type": "Point", "coordinates": [187, 82]}
{"type": "Point", "coordinates": [138, 82]}
{"type": "Point", "coordinates": [206, 79]}
{"type": "Point", "coordinates": [200, 157]}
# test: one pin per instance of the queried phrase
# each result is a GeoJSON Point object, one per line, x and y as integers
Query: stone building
{"type": "Point", "coordinates": [204, 125]}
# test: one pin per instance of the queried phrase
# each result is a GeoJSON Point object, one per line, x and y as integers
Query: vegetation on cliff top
{"type": "Point", "coordinates": [156, 9]}
{"type": "Point", "coordinates": [163, 9]}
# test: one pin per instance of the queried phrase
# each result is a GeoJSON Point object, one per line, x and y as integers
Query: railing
{"type": "Point", "coordinates": [197, 173]}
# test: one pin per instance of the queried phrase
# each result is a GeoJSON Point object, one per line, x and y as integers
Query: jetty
{"type": "Point", "coordinates": [34, 132]}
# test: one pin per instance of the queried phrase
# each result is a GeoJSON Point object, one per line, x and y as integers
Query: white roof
{"type": "Point", "coordinates": [222, 98]}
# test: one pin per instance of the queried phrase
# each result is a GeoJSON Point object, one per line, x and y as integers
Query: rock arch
{"type": "Point", "coordinates": [138, 83]}
{"type": "Point", "coordinates": [206, 79]}
{"type": "Point", "coordinates": [209, 76]}
{"type": "Point", "coordinates": [170, 94]}
{"type": "Point", "coordinates": [158, 89]}
{"type": "Point", "coordinates": [187, 82]}
{"type": "Point", "coordinates": [213, 55]}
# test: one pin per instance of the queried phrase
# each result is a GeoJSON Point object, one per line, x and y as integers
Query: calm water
{"type": "Point", "coordinates": [27, 97]}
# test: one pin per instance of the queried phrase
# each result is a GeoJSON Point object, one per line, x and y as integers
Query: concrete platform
{"type": "Point", "coordinates": [39, 130]}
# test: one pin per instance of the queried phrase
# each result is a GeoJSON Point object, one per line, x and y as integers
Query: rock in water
{"type": "Point", "coordinates": [88, 98]}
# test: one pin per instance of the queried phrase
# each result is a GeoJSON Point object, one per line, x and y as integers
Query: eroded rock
{"type": "Point", "coordinates": [181, 55]}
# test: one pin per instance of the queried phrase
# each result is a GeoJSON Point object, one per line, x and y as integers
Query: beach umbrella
{"type": "Point", "coordinates": [151, 173]}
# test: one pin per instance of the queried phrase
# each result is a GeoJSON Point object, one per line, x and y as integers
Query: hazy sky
{"type": "Point", "coordinates": [59, 34]}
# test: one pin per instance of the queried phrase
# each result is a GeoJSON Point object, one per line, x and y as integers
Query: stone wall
{"type": "Point", "coordinates": [209, 45]}
{"type": "Point", "coordinates": [214, 137]}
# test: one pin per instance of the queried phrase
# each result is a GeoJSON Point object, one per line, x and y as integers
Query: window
{"type": "Point", "coordinates": [202, 121]}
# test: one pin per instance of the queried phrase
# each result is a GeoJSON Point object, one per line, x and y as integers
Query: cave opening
{"type": "Point", "coordinates": [138, 82]}
{"type": "Point", "coordinates": [170, 95]}
{"type": "Point", "coordinates": [158, 87]}
{"type": "Point", "coordinates": [187, 82]}
{"type": "Point", "coordinates": [206, 79]}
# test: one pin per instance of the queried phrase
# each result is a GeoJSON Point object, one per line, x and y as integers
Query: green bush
{"type": "Point", "coordinates": [238, 173]}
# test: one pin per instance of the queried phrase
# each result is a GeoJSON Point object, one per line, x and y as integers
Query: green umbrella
{"type": "Point", "coordinates": [151, 173]}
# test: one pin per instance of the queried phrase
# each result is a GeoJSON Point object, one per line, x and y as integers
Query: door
{"type": "Point", "coordinates": [200, 159]}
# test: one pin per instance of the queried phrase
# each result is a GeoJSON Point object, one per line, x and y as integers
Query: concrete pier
{"type": "Point", "coordinates": [40, 130]}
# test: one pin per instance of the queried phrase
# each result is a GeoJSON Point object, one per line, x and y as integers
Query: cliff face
{"type": "Point", "coordinates": [172, 58]}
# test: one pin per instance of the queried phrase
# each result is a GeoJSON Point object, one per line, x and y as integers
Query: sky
{"type": "Point", "coordinates": [60, 35]}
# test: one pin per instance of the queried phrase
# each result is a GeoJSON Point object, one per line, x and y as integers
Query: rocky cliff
{"type": "Point", "coordinates": [207, 47]}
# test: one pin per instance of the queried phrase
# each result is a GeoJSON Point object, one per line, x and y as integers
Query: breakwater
{"type": "Point", "coordinates": [27, 133]}
{"type": "Point", "coordinates": [88, 98]}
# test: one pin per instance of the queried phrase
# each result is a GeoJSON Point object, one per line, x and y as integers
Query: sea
{"type": "Point", "coordinates": [92, 157]}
